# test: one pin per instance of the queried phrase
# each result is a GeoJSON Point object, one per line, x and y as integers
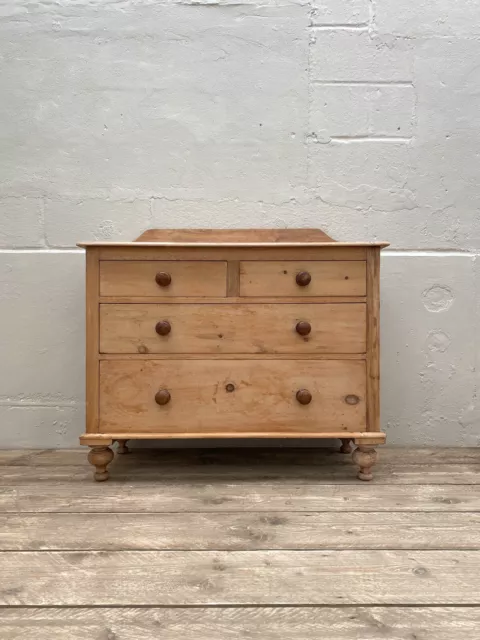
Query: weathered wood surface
{"type": "Point", "coordinates": [183, 496]}
{"type": "Point", "coordinates": [239, 531]}
{"type": "Point", "coordinates": [291, 455]}
{"type": "Point", "coordinates": [255, 623]}
{"type": "Point", "coordinates": [132, 471]}
{"type": "Point", "coordinates": [172, 578]}
{"type": "Point", "coordinates": [273, 528]}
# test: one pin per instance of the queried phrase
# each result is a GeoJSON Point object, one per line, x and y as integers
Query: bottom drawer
{"type": "Point", "coordinates": [225, 397]}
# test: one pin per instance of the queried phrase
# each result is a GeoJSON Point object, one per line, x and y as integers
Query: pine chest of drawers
{"type": "Point", "coordinates": [232, 334]}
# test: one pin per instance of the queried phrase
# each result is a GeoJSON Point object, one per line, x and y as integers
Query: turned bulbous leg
{"type": "Point", "coordinates": [365, 457]}
{"type": "Point", "coordinates": [122, 447]}
{"type": "Point", "coordinates": [100, 458]}
{"type": "Point", "coordinates": [346, 446]}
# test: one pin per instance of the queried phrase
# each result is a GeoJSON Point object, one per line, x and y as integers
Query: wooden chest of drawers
{"type": "Point", "coordinates": [232, 334]}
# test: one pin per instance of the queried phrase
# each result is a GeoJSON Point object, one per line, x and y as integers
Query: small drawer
{"type": "Point", "coordinates": [310, 278]}
{"type": "Point", "coordinates": [225, 397]}
{"type": "Point", "coordinates": [163, 279]}
{"type": "Point", "coordinates": [233, 328]}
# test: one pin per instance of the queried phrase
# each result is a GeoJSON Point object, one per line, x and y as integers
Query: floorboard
{"type": "Point", "coordinates": [238, 531]}
{"type": "Point", "coordinates": [183, 496]}
{"type": "Point", "coordinates": [240, 542]}
{"type": "Point", "coordinates": [173, 578]}
{"type": "Point", "coordinates": [259, 623]}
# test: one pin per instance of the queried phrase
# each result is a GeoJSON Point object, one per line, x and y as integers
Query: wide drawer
{"type": "Point", "coordinates": [163, 279]}
{"type": "Point", "coordinates": [236, 328]}
{"type": "Point", "coordinates": [231, 396]}
{"type": "Point", "coordinates": [309, 278]}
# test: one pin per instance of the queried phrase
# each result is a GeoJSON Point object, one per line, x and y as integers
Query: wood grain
{"type": "Point", "coordinates": [200, 279]}
{"type": "Point", "coordinates": [232, 329]}
{"type": "Point", "coordinates": [233, 279]}
{"type": "Point", "coordinates": [171, 578]}
{"type": "Point", "coordinates": [116, 496]}
{"type": "Point", "coordinates": [238, 436]}
{"type": "Point", "coordinates": [262, 399]}
{"type": "Point", "coordinates": [334, 278]}
{"type": "Point", "coordinates": [193, 548]}
{"type": "Point", "coordinates": [234, 299]}
{"type": "Point", "coordinates": [92, 339]}
{"type": "Point", "coordinates": [227, 356]}
{"type": "Point", "coordinates": [196, 251]}
{"type": "Point", "coordinates": [373, 340]}
{"type": "Point", "coordinates": [255, 623]}
{"type": "Point", "coordinates": [238, 531]}
{"type": "Point", "coordinates": [234, 235]}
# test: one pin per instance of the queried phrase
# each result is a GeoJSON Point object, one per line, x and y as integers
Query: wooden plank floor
{"type": "Point", "coordinates": [240, 543]}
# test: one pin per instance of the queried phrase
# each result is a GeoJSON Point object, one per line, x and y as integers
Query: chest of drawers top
{"type": "Point", "coordinates": [232, 333]}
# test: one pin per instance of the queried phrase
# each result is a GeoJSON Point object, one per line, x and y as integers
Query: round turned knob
{"type": "Point", "coordinates": [304, 396]}
{"type": "Point", "coordinates": [163, 279]}
{"type": "Point", "coordinates": [303, 278]}
{"type": "Point", "coordinates": [163, 328]}
{"type": "Point", "coordinates": [162, 397]}
{"type": "Point", "coordinates": [303, 328]}
{"type": "Point", "coordinates": [352, 399]}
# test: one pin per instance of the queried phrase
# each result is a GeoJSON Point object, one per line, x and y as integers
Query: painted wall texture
{"type": "Point", "coordinates": [361, 117]}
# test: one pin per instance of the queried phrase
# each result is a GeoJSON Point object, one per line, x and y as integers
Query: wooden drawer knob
{"type": "Point", "coordinates": [163, 328]}
{"type": "Point", "coordinates": [303, 278]}
{"type": "Point", "coordinates": [162, 397]}
{"type": "Point", "coordinates": [163, 279]}
{"type": "Point", "coordinates": [303, 328]}
{"type": "Point", "coordinates": [304, 396]}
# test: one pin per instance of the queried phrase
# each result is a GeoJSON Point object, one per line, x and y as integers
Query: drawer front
{"type": "Point", "coordinates": [236, 328]}
{"type": "Point", "coordinates": [310, 278]}
{"type": "Point", "coordinates": [231, 396]}
{"type": "Point", "coordinates": [163, 279]}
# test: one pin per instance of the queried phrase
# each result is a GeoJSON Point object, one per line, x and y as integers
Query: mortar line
{"type": "Point", "coordinates": [364, 83]}
{"type": "Point", "coordinates": [340, 27]}
{"type": "Point", "coordinates": [41, 220]}
{"type": "Point", "coordinates": [369, 138]}
{"type": "Point", "coordinates": [437, 253]}
{"type": "Point", "coordinates": [372, 15]}
{"type": "Point", "coordinates": [41, 405]}
{"type": "Point", "coordinates": [43, 250]}
{"type": "Point", "coordinates": [310, 42]}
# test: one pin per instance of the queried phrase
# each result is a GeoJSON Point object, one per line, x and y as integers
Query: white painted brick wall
{"type": "Point", "coordinates": [346, 55]}
{"type": "Point", "coordinates": [359, 117]}
{"type": "Point", "coordinates": [347, 12]}
{"type": "Point", "coordinates": [362, 111]}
